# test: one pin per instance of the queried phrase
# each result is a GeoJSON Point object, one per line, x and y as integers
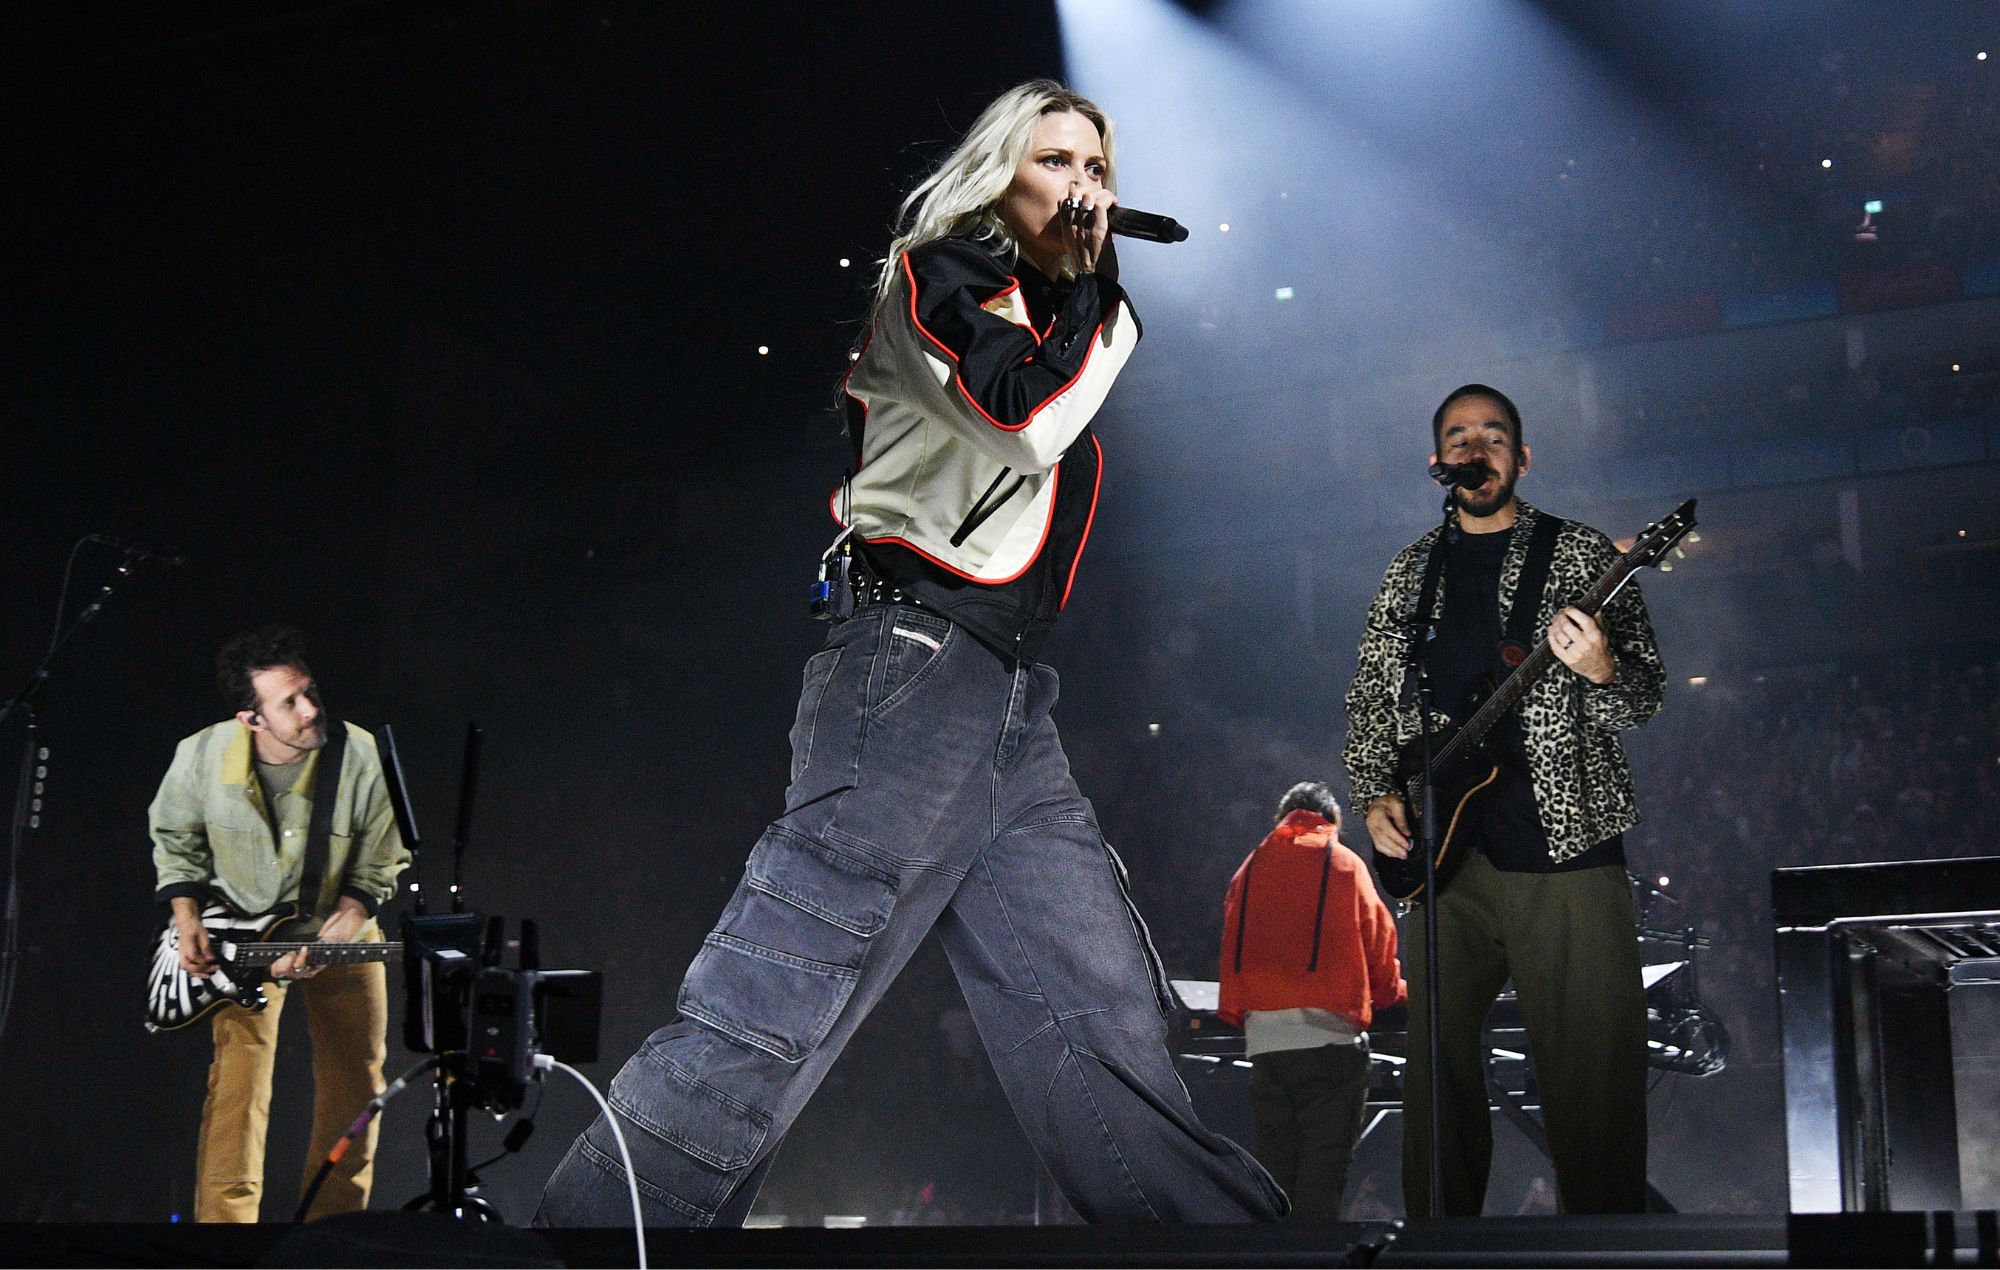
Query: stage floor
{"type": "Point", "coordinates": [419, 1239]}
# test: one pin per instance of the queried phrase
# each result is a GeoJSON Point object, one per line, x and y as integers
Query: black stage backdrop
{"type": "Point", "coordinates": [433, 328]}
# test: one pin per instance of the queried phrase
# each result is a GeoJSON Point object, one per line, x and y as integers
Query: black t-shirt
{"type": "Point", "coordinates": [1465, 666]}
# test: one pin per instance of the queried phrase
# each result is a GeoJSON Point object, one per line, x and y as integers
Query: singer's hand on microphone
{"type": "Point", "coordinates": [1086, 224]}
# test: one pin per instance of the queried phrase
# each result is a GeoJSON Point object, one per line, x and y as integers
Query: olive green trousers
{"type": "Point", "coordinates": [1569, 942]}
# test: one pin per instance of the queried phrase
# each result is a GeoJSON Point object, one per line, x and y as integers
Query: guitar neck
{"type": "Point", "coordinates": [1533, 667]}
{"type": "Point", "coordinates": [324, 954]}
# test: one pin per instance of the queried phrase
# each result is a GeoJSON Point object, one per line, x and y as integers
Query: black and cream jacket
{"type": "Point", "coordinates": [1582, 782]}
{"type": "Point", "coordinates": [970, 405]}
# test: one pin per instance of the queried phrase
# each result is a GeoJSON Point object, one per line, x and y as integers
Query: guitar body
{"type": "Point", "coordinates": [245, 946]}
{"type": "Point", "coordinates": [1460, 783]}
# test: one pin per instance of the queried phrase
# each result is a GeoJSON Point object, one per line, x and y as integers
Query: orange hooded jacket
{"type": "Point", "coordinates": [1304, 927]}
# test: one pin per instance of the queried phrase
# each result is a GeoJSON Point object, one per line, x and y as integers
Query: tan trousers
{"type": "Point", "coordinates": [347, 1016]}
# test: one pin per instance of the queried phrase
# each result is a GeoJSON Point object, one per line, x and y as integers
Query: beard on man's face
{"type": "Point", "coordinates": [1488, 499]}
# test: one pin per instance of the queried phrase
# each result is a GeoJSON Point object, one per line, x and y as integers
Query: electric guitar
{"type": "Point", "coordinates": [245, 945]}
{"type": "Point", "coordinates": [1460, 771]}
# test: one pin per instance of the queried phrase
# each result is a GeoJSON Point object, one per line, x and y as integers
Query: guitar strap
{"type": "Point", "coordinates": [1426, 611]}
{"type": "Point", "coordinates": [1521, 635]}
{"type": "Point", "coordinates": [325, 793]}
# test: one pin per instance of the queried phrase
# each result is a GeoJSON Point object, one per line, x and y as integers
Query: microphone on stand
{"type": "Point", "coordinates": [167, 556]}
{"type": "Point", "coordinates": [1460, 475]}
{"type": "Point", "coordinates": [1153, 228]}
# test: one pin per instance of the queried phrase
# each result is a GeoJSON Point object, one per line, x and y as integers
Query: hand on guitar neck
{"type": "Point", "coordinates": [198, 954]}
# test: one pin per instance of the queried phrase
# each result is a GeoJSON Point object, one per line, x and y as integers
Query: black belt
{"type": "Point", "coordinates": [871, 587]}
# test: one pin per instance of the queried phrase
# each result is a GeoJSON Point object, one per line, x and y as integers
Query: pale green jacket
{"type": "Point", "coordinates": [212, 831]}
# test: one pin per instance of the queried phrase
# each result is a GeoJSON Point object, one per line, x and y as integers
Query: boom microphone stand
{"type": "Point", "coordinates": [34, 770]}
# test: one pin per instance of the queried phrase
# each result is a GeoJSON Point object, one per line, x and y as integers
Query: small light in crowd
{"type": "Point", "coordinates": [1954, 368]}
{"type": "Point", "coordinates": [763, 350]}
{"type": "Point", "coordinates": [1873, 207]}
{"type": "Point", "coordinates": [1961, 533]}
{"type": "Point", "coordinates": [1663, 879]}
{"type": "Point", "coordinates": [1152, 729]}
{"type": "Point", "coordinates": [1223, 227]}
{"type": "Point", "coordinates": [1697, 681]}
{"type": "Point", "coordinates": [844, 262]}
{"type": "Point", "coordinates": [1826, 163]}
{"type": "Point", "coordinates": [1283, 293]}
{"type": "Point", "coordinates": [854, 356]}
{"type": "Point", "coordinates": [1982, 55]}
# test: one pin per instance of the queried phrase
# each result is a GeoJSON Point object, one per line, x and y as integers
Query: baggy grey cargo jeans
{"type": "Point", "coordinates": [928, 788]}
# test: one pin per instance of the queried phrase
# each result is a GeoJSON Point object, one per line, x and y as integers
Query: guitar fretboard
{"type": "Point", "coordinates": [322, 954]}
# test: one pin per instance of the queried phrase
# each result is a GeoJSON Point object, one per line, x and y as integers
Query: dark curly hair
{"type": "Point", "coordinates": [1310, 796]}
{"type": "Point", "coordinates": [252, 651]}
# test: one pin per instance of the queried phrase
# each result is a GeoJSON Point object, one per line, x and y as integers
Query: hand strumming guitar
{"type": "Point", "coordinates": [1389, 826]}
{"type": "Point", "coordinates": [197, 955]}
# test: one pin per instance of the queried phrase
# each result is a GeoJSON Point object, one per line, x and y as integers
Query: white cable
{"type": "Point", "coordinates": [545, 1062]}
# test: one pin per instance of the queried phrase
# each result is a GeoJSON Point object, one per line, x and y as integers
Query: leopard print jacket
{"type": "Point", "coordinates": [1582, 782]}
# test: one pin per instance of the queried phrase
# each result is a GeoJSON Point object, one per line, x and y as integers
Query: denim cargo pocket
{"type": "Point", "coordinates": [777, 971]}
{"type": "Point", "coordinates": [917, 643]}
{"type": "Point", "coordinates": [819, 670]}
{"type": "Point", "coordinates": [676, 1107]}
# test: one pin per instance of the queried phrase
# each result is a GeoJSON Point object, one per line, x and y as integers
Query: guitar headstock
{"type": "Point", "coordinates": [1659, 537]}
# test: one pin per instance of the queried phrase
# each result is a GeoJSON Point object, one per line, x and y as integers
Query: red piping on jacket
{"type": "Point", "coordinates": [959, 379]}
{"type": "Point", "coordinates": [1088, 521]}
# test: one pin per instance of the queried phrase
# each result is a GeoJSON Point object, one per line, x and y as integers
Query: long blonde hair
{"type": "Point", "coordinates": [959, 197]}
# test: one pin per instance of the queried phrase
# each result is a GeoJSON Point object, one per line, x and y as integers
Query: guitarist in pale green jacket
{"type": "Point", "coordinates": [230, 823]}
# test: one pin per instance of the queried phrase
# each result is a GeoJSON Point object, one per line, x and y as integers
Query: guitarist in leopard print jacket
{"type": "Point", "coordinates": [1539, 892]}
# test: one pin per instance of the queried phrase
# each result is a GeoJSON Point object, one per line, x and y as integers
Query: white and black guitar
{"type": "Point", "coordinates": [245, 945]}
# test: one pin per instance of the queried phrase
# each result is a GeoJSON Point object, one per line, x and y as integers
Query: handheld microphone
{"type": "Point", "coordinates": [1149, 226]}
{"type": "Point", "coordinates": [140, 551]}
{"type": "Point", "coordinates": [1460, 475]}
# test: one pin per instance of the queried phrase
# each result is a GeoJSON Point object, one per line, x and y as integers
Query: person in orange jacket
{"type": "Point", "coordinates": [1308, 956]}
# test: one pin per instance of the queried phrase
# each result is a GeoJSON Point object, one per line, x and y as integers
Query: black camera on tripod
{"type": "Point", "coordinates": [488, 1020]}
{"type": "Point", "coordinates": [493, 1029]}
